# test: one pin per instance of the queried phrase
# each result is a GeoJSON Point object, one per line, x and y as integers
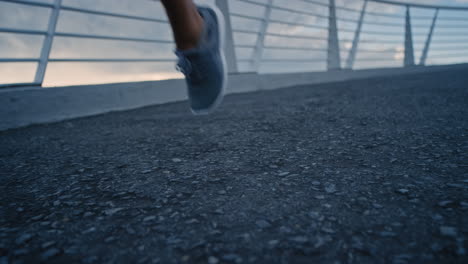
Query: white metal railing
{"type": "Point", "coordinates": [321, 32]}
{"type": "Point", "coordinates": [376, 27]}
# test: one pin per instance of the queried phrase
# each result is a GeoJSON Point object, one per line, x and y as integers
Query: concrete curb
{"type": "Point", "coordinates": [32, 105]}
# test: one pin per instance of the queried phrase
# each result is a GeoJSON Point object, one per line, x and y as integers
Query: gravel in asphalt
{"type": "Point", "coordinates": [365, 171]}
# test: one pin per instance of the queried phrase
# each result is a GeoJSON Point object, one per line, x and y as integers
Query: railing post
{"type": "Point", "coordinates": [260, 45]}
{"type": "Point", "coordinates": [47, 44]}
{"type": "Point", "coordinates": [229, 49]}
{"type": "Point", "coordinates": [422, 61]}
{"type": "Point", "coordinates": [333, 58]}
{"type": "Point", "coordinates": [409, 51]}
{"type": "Point", "coordinates": [353, 51]}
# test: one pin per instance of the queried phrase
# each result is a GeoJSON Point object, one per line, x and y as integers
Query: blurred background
{"type": "Point", "coordinates": [295, 39]}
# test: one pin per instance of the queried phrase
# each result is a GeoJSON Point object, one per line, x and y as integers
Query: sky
{"type": "Point", "coordinates": [382, 42]}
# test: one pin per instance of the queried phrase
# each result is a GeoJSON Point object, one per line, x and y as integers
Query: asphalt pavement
{"type": "Point", "coordinates": [365, 171]}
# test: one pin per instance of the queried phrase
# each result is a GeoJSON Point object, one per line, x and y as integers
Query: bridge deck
{"type": "Point", "coordinates": [368, 171]}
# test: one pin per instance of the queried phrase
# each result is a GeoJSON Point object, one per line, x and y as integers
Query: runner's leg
{"type": "Point", "coordinates": [186, 22]}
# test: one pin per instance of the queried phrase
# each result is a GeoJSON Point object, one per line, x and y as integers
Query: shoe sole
{"type": "Point", "coordinates": [222, 35]}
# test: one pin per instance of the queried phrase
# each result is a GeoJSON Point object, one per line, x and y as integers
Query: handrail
{"type": "Point", "coordinates": [421, 5]}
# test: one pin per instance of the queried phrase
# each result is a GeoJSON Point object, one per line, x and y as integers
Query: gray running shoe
{"type": "Point", "coordinates": [204, 67]}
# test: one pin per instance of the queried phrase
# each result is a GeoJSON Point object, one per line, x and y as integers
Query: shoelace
{"type": "Point", "coordinates": [184, 65]}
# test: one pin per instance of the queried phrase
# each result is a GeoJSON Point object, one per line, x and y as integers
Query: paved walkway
{"type": "Point", "coordinates": [369, 171]}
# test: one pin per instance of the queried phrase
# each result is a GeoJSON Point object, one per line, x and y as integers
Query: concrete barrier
{"type": "Point", "coordinates": [33, 105]}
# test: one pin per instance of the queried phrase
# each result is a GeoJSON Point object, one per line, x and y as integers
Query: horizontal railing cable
{"type": "Point", "coordinates": [377, 59]}
{"type": "Point", "coordinates": [245, 31]}
{"type": "Point", "coordinates": [88, 36]}
{"type": "Point", "coordinates": [454, 55]}
{"type": "Point", "coordinates": [295, 36]}
{"type": "Point", "coordinates": [246, 16]}
{"type": "Point", "coordinates": [427, 6]}
{"type": "Point", "coordinates": [29, 3]}
{"type": "Point", "coordinates": [295, 48]}
{"type": "Point", "coordinates": [286, 9]}
{"type": "Point", "coordinates": [102, 13]}
{"type": "Point", "coordinates": [245, 46]}
{"type": "Point", "coordinates": [19, 59]}
{"type": "Point", "coordinates": [109, 60]}
{"type": "Point", "coordinates": [297, 24]}
{"type": "Point", "coordinates": [253, 3]}
{"type": "Point", "coordinates": [295, 60]}
{"type": "Point", "coordinates": [23, 31]}
{"type": "Point", "coordinates": [315, 3]}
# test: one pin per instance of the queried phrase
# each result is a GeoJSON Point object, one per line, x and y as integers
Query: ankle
{"type": "Point", "coordinates": [193, 34]}
{"type": "Point", "coordinates": [188, 42]}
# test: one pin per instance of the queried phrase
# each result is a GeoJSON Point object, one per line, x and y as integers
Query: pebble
{"type": "Point", "coordinates": [273, 243]}
{"type": "Point", "coordinates": [110, 239]}
{"type": "Point", "coordinates": [456, 185]}
{"type": "Point", "coordinates": [23, 239]}
{"type": "Point", "coordinates": [149, 218]}
{"type": "Point", "coordinates": [110, 212]}
{"type": "Point", "coordinates": [50, 253]}
{"type": "Point", "coordinates": [446, 203]}
{"type": "Point", "coordinates": [356, 243]}
{"type": "Point", "coordinates": [377, 206]}
{"type": "Point", "coordinates": [314, 215]}
{"type": "Point", "coordinates": [402, 259]}
{"type": "Point", "coordinates": [130, 230]}
{"type": "Point", "coordinates": [37, 217]}
{"type": "Point", "coordinates": [213, 260]}
{"type": "Point", "coordinates": [72, 250]}
{"type": "Point", "coordinates": [47, 244]}
{"type": "Point", "coordinates": [63, 197]}
{"type": "Point", "coordinates": [263, 224]}
{"type": "Point", "coordinates": [299, 239]}
{"type": "Point", "coordinates": [437, 217]}
{"type": "Point", "coordinates": [88, 214]}
{"type": "Point", "coordinates": [330, 188]}
{"type": "Point", "coordinates": [387, 234]}
{"type": "Point", "coordinates": [448, 231]}
{"type": "Point", "coordinates": [285, 230]}
{"type": "Point", "coordinates": [328, 230]}
{"type": "Point", "coordinates": [402, 191]}
{"type": "Point", "coordinates": [232, 258]}
{"type": "Point", "coordinates": [90, 230]}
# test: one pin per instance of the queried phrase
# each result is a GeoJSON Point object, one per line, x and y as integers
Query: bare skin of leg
{"type": "Point", "coordinates": [187, 24]}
